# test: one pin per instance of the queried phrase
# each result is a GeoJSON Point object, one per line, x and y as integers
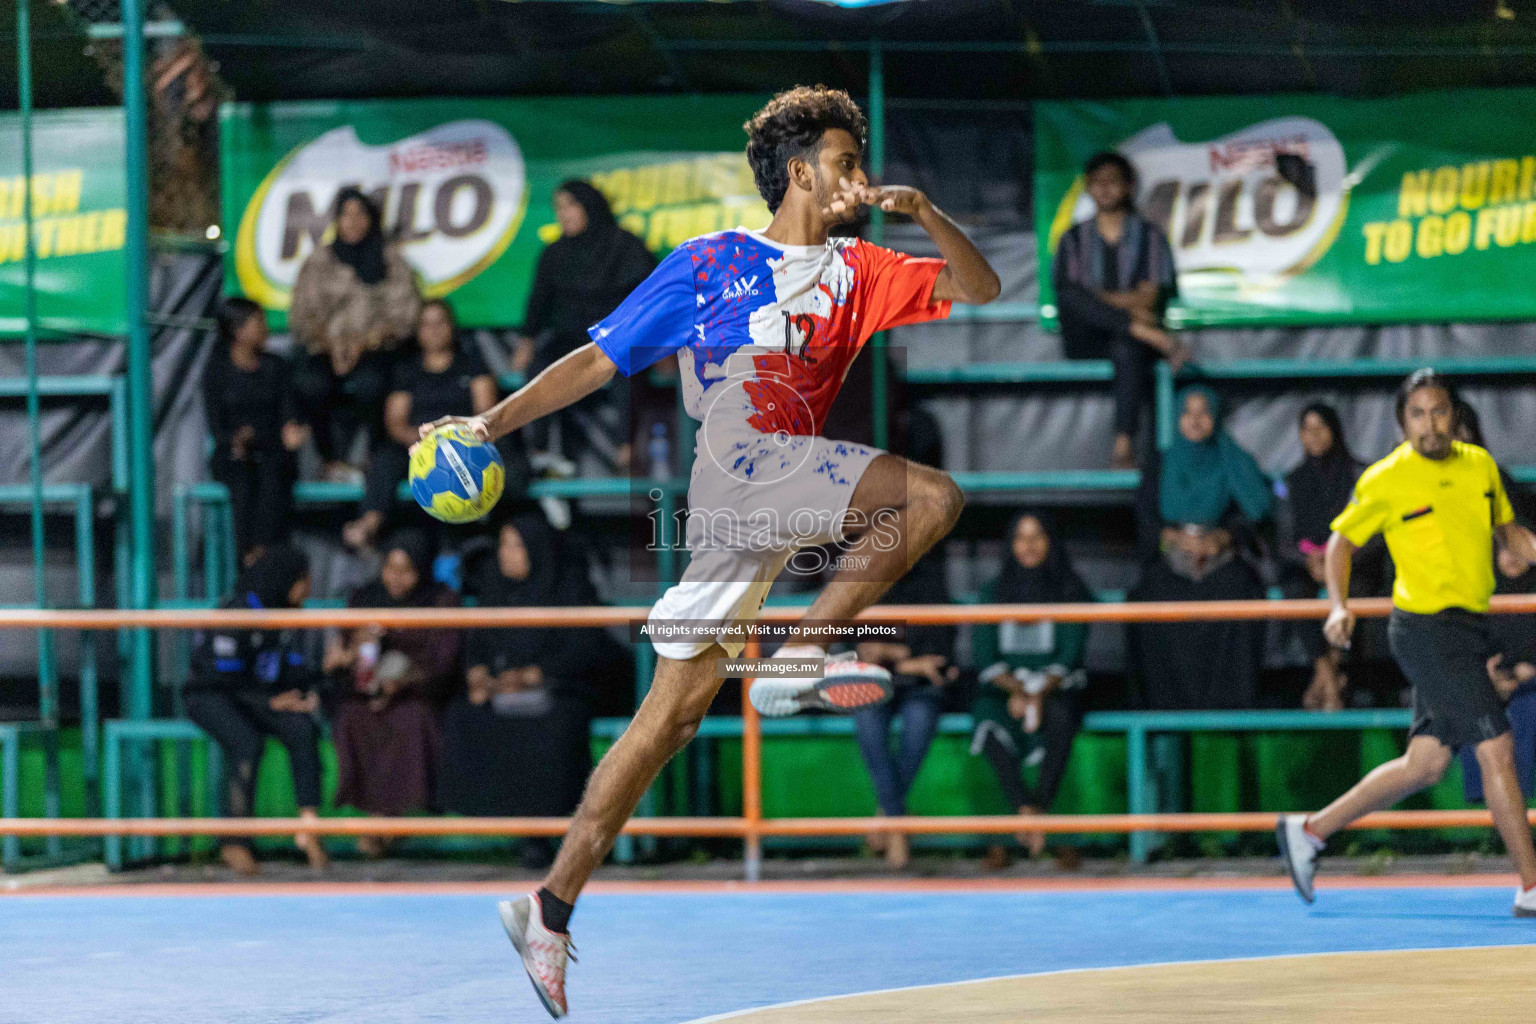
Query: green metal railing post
{"type": "Point", "coordinates": [141, 436]}
{"type": "Point", "coordinates": [29, 300]}
{"type": "Point", "coordinates": [47, 664]}
{"type": "Point", "coordinates": [1166, 417]}
{"type": "Point", "coordinates": [880, 401]}
{"type": "Point", "coordinates": [141, 461]}
{"type": "Point", "coordinates": [1138, 791]}
{"type": "Point", "coordinates": [85, 546]}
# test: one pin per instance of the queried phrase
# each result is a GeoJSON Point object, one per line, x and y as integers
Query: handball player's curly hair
{"type": "Point", "coordinates": [792, 125]}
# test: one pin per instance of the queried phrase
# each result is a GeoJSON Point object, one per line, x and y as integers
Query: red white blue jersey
{"type": "Point", "coordinates": [765, 333]}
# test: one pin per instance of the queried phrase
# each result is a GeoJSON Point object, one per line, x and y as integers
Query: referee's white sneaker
{"type": "Point", "coordinates": [544, 952]}
{"type": "Point", "coordinates": [1525, 902]}
{"type": "Point", "coordinates": [1299, 851]}
{"type": "Point", "coordinates": [846, 685]}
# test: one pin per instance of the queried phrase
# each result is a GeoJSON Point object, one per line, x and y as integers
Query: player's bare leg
{"type": "Point", "coordinates": [1301, 837]}
{"type": "Point", "coordinates": [921, 506]}
{"type": "Point", "coordinates": [1501, 791]}
{"type": "Point", "coordinates": [898, 511]}
{"type": "Point", "coordinates": [1421, 766]}
{"type": "Point", "coordinates": [668, 718]}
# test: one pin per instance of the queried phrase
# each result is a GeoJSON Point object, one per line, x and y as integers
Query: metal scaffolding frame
{"type": "Point", "coordinates": [136, 422]}
{"type": "Point", "coordinates": [136, 562]}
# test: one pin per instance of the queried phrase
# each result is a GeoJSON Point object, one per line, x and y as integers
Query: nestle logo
{"type": "Point", "coordinates": [1238, 157]}
{"type": "Point", "coordinates": [445, 156]}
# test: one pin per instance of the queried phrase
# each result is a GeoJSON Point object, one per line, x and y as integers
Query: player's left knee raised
{"type": "Point", "coordinates": [939, 493]}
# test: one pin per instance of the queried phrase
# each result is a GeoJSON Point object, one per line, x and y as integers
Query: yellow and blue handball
{"type": "Point", "coordinates": [455, 476]}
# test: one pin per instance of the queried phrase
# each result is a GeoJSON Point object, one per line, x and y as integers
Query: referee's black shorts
{"type": "Point", "coordinates": [1445, 657]}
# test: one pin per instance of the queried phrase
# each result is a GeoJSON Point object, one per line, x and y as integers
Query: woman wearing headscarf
{"type": "Point", "coordinates": [1202, 490]}
{"type": "Point", "coordinates": [440, 377]}
{"type": "Point", "coordinates": [1031, 673]}
{"type": "Point", "coordinates": [1114, 275]}
{"type": "Point", "coordinates": [249, 404]}
{"type": "Point", "coordinates": [354, 301]}
{"type": "Point", "coordinates": [246, 685]}
{"type": "Point", "coordinates": [1311, 496]}
{"type": "Point", "coordinates": [581, 277]}
{"type": "Point", "coordinates": [393, 683]}
{"type": "Point", "coordinates": [922, 670]}
{"type": "Point", "coordinates": [1205, 477]}
{"type": "Point", "coordinates": [516, 742]}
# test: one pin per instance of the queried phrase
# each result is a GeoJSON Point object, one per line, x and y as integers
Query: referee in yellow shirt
{"type": "Point", "coordinates": [1440, 504]}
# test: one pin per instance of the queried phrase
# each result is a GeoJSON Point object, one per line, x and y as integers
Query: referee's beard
{"type": "Point", "coordinates": [1432, 444]}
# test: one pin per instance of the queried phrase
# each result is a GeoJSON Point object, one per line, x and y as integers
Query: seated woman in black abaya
{"type": "Point", "coordinates": [516, 741]}
{"type": "Point", "coordinates": [1312, 495]}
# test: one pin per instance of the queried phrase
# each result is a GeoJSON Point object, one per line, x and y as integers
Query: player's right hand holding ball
{"type": "Point", "coordinates": [476, 424]}
{"type": "Point", "coordinates": [1339, 627]}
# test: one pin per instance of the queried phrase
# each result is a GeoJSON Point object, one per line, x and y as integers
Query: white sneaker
{"type": "Point", "coordinates": [544, 952]}
{"type": "Point", "coordinates": [846, 684]}
{"type": "Point", "coordinates": [1525, 902]}
{"type": "Point", "coordinates": [1298, 852]}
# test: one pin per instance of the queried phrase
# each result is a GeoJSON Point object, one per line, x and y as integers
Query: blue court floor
{"type": "Point", "coordinates": [666, 956]}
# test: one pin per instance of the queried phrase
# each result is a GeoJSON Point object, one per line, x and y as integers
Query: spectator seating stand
{"type": "Point", "coordinates": [79, 500]}
{"type": "Point", "coordinates": [218, 554]}
{"type": "Point", "coordinates": [1385, 373]}
{"type": "Point", "coordinates": [1140, 728]}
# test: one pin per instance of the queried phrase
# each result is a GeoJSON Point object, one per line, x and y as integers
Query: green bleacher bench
{"type": "Point", "coordinates": [11, 736]}
{"type": "Point", "coordinates": [115, 733]}
{"type": "Point", "coordinates": [1136, 726]}
{"type": "Point", "coordinates": [1311, 369]}
{"type": "Point", "coordinates": [321, 492]}
{"type": "Point", "coordinates": [218, 544]}
{"type": "Point", "coordinates": [1111, 481]}
{"type": "Point", "coordinates": [1062, 371]}
{"type": "Point", "coordinates": [994, 312]}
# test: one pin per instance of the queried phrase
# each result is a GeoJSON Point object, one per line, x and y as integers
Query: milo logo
{"type": "Point", "coordinates": [1262, 202]}
{"type": "Point", "coordinates": [452, 196]}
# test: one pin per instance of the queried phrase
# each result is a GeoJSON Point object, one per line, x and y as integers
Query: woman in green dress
{"type": "Point", "coordinates": [1029, 707]}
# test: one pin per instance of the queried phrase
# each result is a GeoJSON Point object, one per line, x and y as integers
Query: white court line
{"type": "Point", "coordinates": [738, 1014]}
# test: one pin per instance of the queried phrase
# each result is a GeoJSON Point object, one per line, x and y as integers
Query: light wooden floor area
{"type": "Point", "coordinates": [1485, 986]}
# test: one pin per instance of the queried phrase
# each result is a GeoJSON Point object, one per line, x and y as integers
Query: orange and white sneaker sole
{"type": "Point", "coordinates": [847, 687]}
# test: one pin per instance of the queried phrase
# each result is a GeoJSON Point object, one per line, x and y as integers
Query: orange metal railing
{"type": "Point", "coordinates": [479, 618]}
{"type": "Point", "coordinates": [752, 826]}
{"type": "Point", "coordinates": [723, 827]}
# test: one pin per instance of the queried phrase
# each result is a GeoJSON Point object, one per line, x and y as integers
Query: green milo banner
{"type": "Point", "coordinates": [80, 217]}
{"type": "Point", "coordinates": [466, 186]}
{"type": "Point", "coordinates": [1310, 209]}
